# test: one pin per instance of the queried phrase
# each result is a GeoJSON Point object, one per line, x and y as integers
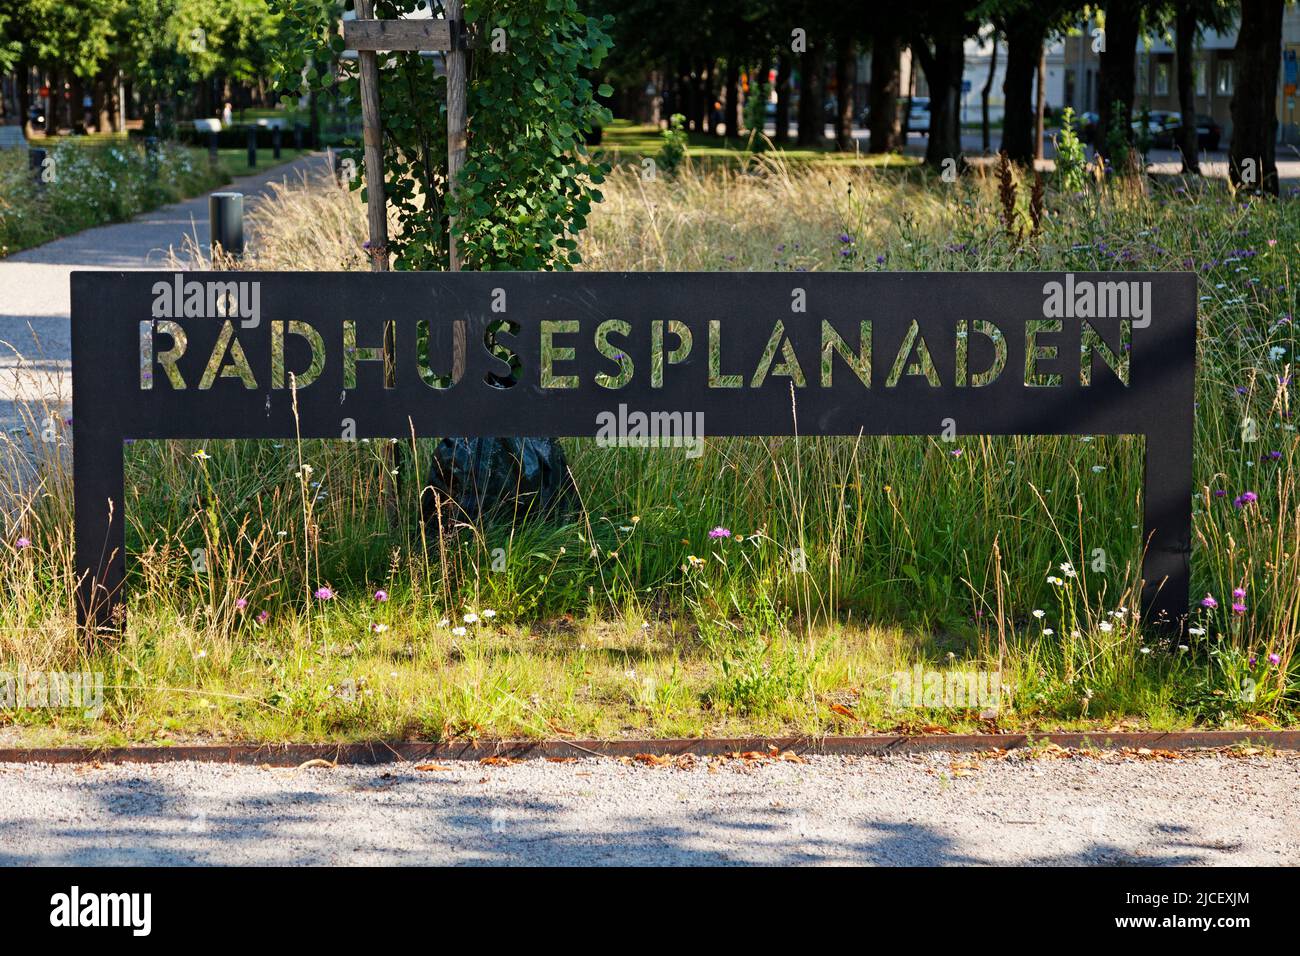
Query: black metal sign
{"type": "Point", "coordinates": [224, 355]}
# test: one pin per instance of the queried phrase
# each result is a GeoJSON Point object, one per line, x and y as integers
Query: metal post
{"type": "Point", "coordinates": [226, 220]}
{"type": "Point", "coordinates": [275, 142]}
{"type": "Point", "coordinates": [454, 11]}
{"type": "Point", "coordinates": [297, 136]}
{"type": "Point", "coordinates": [373, 135]}
{"type": "Point", "coordinates": [212, 148]}
{"type": "Point", "coordinates": [252, 146]}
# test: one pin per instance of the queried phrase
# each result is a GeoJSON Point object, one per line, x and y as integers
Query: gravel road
{"type": "Point", "coordinates": [919, 810]}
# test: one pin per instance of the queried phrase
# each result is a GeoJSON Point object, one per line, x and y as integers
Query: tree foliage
{"type": "Point", "coordinates": [166, 47]}
{"type": "Point", "coordinates": [528, 182]}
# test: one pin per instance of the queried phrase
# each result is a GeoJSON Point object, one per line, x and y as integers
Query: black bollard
{"type": "Point", "coordinates": [226, 222]}
{"type": "Point", "coordinates": [212, 148]}
{"type": "Point", "coordinates": [275, 142]}
{"type": "Point", "coordinates": [252, 146]}
{"type": "Point", "coordinates": [36, 163]}
{"type": "Point", "coordinates": [297, 136]}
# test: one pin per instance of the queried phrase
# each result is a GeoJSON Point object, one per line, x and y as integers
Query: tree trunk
{"type": "Point", "coordinates": [25, 97]}
{"type": "Point", "coordinates": [53, 103]}
{"type": "Point", "coordinates": [1185, 29]}
{"type": "Point", "coordinates": [313, 118]}
{"type": "Point", "coordinates": [81, 116]}
{"type": "Point", "coordinates": [695, 99]}
{"type": "Point", "coordinates": [203, 97]}
{"type": "Point", "coordinates": [987, 91]}
{"type": "Point", "coordinates": [706, 96]}
{"type": "Point", "coordinates": [943, 69]}
{"type": "Point", "coordinates": [909, 93]}
{"type": "Point", "coordinates": [103, 103]}
{"type": "Point", "coordinates": [845, 76]}
{"type": "Point", "coordinates": [783, 98]}
{"type": "Point", "coordinates": [732, 115]}
{"type": "Point", "coordinates": [1258, 59]}
{"type": "Point", "coordinates": [1040, 104]}
{"type": "Point", "coordinates": [812, 124]}
{"type": "Point", "coordinates": [1117, 77]}
{"type": "Point", "coordinates": [882, 112]}
{"type": "Point", "coordinates": [1024, 46]}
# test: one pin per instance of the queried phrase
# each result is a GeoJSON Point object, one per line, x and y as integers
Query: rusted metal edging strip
{"type": "Point", "coordinates": [380, 752]}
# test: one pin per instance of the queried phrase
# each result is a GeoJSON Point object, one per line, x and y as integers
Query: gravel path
{"type": "Point", "coordinates": [918, 810]}
{"type": "Point", "coordinates": [34, 330]}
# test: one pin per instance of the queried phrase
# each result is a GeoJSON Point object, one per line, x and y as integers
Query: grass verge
{"type": "Point", "coordinates": [771, 585]}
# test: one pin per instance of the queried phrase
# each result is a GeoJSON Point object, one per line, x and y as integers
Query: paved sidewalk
{"type": "Point", "coordinates": [34, 329]}
{"type": "Point", "coordinates": [933, 809]}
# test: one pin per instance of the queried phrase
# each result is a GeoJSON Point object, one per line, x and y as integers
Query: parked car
{"type": "Point", "coordinates": [1163, 126]}
{"type": "Point", "coordinates": [1085, 124]}
{"type": "Point", "coordinates": [1156, 124]}
{"type": "Point", "coordinates": [918, 119]}
{"type": "Point", "coordinates": [1208, 132]}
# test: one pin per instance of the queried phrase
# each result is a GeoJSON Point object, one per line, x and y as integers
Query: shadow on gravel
{"type": "Point", "coordinates": [399, 817]}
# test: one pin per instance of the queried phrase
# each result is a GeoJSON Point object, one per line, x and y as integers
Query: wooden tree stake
{"type": "Point", "coordinates": [456, 114]}
{"type": "Point", "coordinates": [368, 36]}
{"type": "Point", "coordinates": [373, 135]}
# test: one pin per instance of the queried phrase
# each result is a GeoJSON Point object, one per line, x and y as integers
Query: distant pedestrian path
{"type": "Point", "coordinates": [35, 336]}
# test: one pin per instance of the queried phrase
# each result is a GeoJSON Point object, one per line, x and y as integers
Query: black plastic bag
{"type": "Point", "coordinates": [501, 479]}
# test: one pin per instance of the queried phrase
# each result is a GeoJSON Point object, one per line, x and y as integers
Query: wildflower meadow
{"type": "Point", "coordinates": [291, 590]}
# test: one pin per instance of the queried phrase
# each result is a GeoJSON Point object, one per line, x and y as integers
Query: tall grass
{"type": "Point", "coordinates": [816, 544]}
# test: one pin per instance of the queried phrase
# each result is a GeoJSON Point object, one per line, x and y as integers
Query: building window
{"type": "Point", "coordinates": [1162, 79]}
{"type": "Point", "coordinates": [1198, 77]}
{"type": "Point", "coordinates": [1224, 86]}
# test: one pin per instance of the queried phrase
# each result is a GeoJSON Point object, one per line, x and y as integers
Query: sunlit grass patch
{"type": "Point", "coordinates": [769, 585]}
